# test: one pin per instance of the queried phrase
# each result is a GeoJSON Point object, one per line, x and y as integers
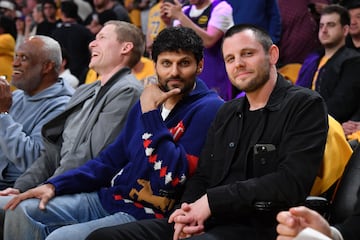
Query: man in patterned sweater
{"type": "Point", "coordinates": [142, 173]}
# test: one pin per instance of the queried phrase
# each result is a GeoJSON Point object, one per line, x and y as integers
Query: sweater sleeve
{"type": "Point", "coordinates": [22, 147]}
{"type": "Point", "coordinates": [164, 155]}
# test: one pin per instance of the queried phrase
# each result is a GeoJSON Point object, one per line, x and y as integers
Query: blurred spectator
{"type": "Point", "coordinates": [333, 71]}
{"type": "Point", "coordinates": [144, 7]}
{"type": "Point", "coordinates": [7, 8]}
{"type": "Point", "coordinates": [37, 17]}
{"type": "Point", "coordinates": [101, 14]}
{"type": "Point", "coordinates": [154, 25]}
{"type": "Point", "coordinates": [299, 31]}
{"type": "Point", "coordinates": [7, 46]}
{"type": "Point", "coordinates": [210, 19]}
{"type": "Point", "coordinates": [345, 3]}
{"type": "Point", "coordinates": [134, 12]}
{"type": "Point", "coordinates": [30, 25]}
{"type": "Point", "coordinates": [75, 38]}
{"type": "Point", "coordinates": [28, 7]}
{"type": "Point", "coordinates": [262, 13]}
{"type": "Point", "coordinates": [65, 72]}
{"type": "Point", "coordinates": [353, 39]}
{"type": "Point", "coordinates": [120, 11]}
{"type": "Point", "coordinates": [49, 10]}
{"type": "Point", "coordinates": [143, 69]}
{"type": "Point", "coordinates": [84, 8]}
{"type": "Point", "coordinates": [19, 5]}
{"type": "Point", "coordinates": [41, 25]}
{"type": "Point", "coordinates": [20, 31]}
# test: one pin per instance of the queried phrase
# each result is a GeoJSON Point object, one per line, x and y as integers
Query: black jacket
{"type": "Point", "coordinates": [293, 128]}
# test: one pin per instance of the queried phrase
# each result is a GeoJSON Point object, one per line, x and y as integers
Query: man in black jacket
{"type": "Point", "coordinates": [333, 71]}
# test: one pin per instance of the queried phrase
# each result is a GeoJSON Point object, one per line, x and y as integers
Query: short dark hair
{"type": "Point", "coordinates": [174, 39]}
{"type": "Point", "coordinates": [354, 6]}
{"type": "Point", "coordinates": [340, 10]}
{"type": "Point", "coordinates": [261, 35]}
{"type": "Point", "coordinates": [69, 9]}
{"type": "Point", "coordinates": [51, 2]}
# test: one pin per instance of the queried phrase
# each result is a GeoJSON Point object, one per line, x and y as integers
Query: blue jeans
{"type": "Point", "coordinates": [65, 217]}
{"type": "Point", "coordinates": [3, 201]}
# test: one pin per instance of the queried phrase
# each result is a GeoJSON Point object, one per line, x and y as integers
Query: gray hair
{"type": "Point", "coordinates": [52, 50]}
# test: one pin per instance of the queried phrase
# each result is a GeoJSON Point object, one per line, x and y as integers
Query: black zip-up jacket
{"type": "Point", "coordinates": [286, 150]}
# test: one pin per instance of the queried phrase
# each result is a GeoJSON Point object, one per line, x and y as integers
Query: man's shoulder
{"type": "Point", "coordinates": [128, 81]}
{"type": "Point", "coordinates": [303, 92]}
{"type": "Point", "coordinates": [296, 98]}
{"type": "Point", "coordinates": [343, 57]}
{"type": "Point", "coordinates": [345, 54]}
{"type": "Point", "coordinates": [286, 93]}
{"type": "Point", "coordinates": [211, 100]}
{"type": "Point", "coordinates": [77, 28]}
{"type": "Point", "coordinates": [86, 87]}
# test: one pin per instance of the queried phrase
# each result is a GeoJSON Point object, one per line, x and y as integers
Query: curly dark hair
{"type": "Point", "coordinates": [176, 39]}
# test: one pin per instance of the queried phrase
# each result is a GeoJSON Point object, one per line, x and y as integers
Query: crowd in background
{"type": "Point", "coordinates": [292, 25]}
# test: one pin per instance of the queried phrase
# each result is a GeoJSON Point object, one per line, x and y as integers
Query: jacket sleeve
{"type": "Point", "coordinates": [37, 173]}
{"type": "Point", "coordinates": [198, 184]}
{"type": "Point", "coordinates": [350, 227]}
{"type": "Point", "coordinates": [105, 123]}
{"type": "Point", "coordinates": [344, 101]}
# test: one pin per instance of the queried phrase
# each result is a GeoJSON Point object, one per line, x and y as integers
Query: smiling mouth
{"type": "Point", "coordinates": [241, 74]}
{"type": "Point", "coordinates": [17, 72]}
{"type": "Point", "coordinates": [94, 54]}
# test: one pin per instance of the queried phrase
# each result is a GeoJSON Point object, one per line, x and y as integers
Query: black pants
{"type": "Point", "coordinates": [159, 229]}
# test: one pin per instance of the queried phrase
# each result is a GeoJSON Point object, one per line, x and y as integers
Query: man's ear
{"type": "Point", "coordinates": [127, 47]}
{"type": "Point", "coordinates": [48, 66]}
{"type": "Point", "coordinates": [200, 66]}
{"type": "Point", "coordinates": [346, 30]}
{"type": "Point", "coordinates": [273, 54]}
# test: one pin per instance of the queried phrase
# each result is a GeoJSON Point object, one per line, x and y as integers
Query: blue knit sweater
{"type": "Point", "coordinates": [144, 170]}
